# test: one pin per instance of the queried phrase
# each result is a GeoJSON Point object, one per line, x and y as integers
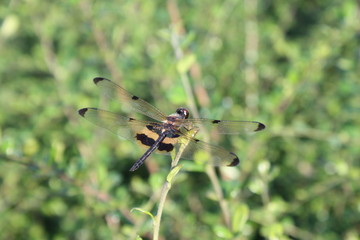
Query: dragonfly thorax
{"type": "Point", "coordinates": [168, 128]}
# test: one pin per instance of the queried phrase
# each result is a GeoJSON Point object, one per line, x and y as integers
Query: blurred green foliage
{"type": "Point", "coordinates": [293, 65]}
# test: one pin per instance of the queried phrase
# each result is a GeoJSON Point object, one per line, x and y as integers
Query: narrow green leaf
{"type": "Point", "coordinates": [144, 211]}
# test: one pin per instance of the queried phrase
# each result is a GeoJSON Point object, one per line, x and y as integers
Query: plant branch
{"type": "Point", "coordinates": [176, 33]}
{"type": "Point", "coordinates": [169, 179]}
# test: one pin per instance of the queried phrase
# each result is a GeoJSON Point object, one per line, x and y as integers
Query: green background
{"type": "Point", "coordinates": [293, 65]}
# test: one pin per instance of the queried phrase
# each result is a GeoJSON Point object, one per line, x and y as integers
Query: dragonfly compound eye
{"type": "Point", "coordinates": [183, 112]}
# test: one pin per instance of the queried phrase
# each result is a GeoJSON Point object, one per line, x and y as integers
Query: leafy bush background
{"type": "Point", "coordinates": [293, 65]}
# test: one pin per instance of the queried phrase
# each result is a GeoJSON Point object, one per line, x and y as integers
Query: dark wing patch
{"type": "Point", "coordinates": [145, 140]}
{"type": "Point", "coordinates": [260, 127]}
{"type": "Point", "coordinates": [98, 79]}
{"type": "Point", "coordinates": [168, 144]}
{"type": "Point", "coordinates": [82, 111]}
{"type": "Point", "coordinates": [165, 147]}
{"type": "Point", "coordinates": [235, 161]}
{"type": "Point", "coordinates": [148, 135]}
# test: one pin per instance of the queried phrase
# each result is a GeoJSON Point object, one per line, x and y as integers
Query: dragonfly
{"type": "Point", "coordinates": [165, 133]}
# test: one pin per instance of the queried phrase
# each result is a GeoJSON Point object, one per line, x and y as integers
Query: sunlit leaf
{"type": "Point", "coordinates": [222, 232]}
{"type": "Point", "coordinates": [240, 217]}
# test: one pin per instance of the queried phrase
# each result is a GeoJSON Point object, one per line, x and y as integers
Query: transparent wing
{"type": "Point", "coordinates": [112, 90]}
{"type": "Point", "coordinates": [216, 155]}
{"type": "Point", "coordinates": [223, 127]}
{"type": "Point", "coordinates": [122, 126]}
{"type": "Point", "coordinates": [139, 131]}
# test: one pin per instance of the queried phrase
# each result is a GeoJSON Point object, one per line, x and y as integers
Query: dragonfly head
{"type": "Point", "coordinates": [182, 113]}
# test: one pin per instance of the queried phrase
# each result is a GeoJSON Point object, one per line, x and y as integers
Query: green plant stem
{"type": "Point", "coordinates": [157, 220]}
{"type": "Point", "coordinates": [191, 100]}
{"type": "Point", "coordinates": [167, 185]}
{"type": "Point", "coordinates": [210, 171]}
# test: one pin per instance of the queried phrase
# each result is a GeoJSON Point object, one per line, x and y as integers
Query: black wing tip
{"type": "Point", "coordinates": [99, 79]}
{"type": "Point", "coordinates": [82, 111]}
{"type": "Point", "coordinates": [235, 161]}
{"type": "Point", "coordinates": [260, 127]}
